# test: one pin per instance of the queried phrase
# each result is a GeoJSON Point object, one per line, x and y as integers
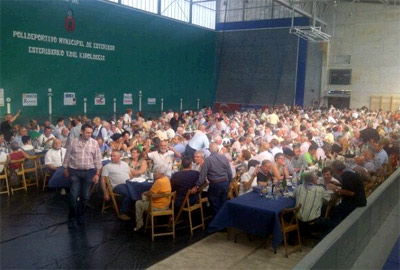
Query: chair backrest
{"type": "Point", "coordinates": [18, 161]}
{"type": "Point", "coordinates": [294, 211]}
{"type": "Point", "coordinates": [4, 173]}
{"type": "Point", "coordinates": [171, 195]}
{"type": "Point", "coordinates": [331, 204]}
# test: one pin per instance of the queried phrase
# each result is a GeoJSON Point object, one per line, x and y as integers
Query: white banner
{"type": "Point", "coordinates": [99, 99]}
{"type": "Point", "coordinates": [29, 99]}
{"type": "Point", "coordinates": [69, 99]}
{"type": "Point", "coordinates": [128, 100]}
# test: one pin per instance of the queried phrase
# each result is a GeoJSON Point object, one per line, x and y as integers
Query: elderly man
{"type": "Point", "coordinates": [118, 171]}
{"type": "Point", "coordinates": [64, 136]}
{"type": "Point", "coordinates": [198, 160]}
{"type": "Point", "coordinates": [161, 185]}
{"type": "Point", "coordinates": [217, 170]}
{"type": "Point", "coordinates": [82, 164]}
{"type": "Point", "coordinates": [21, 133]}
{"type": "Point", "coordinates": [165, 156]}
{"type": "Point", "coordinates": [311, 197]}
{"type": "Point", "coordinates": [298, 161]}
{"type": "Point", "coordinates": [54, 158]}
{"type": "Point", "coordinates": [99, 130]}
{"type": "Point", "coordinates": [46, 139]}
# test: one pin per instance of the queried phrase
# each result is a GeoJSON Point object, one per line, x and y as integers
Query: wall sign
{"type": "Point", "coordinates": [99, 99]}
{"type": "Point", "coordinates": [29, 99]}
{"type": "Point", "coordinates": [128, 100]}
{"type": "Point", "coordinates": [151, 101]}
{"type": "Point", "coordinates": [69, 99]}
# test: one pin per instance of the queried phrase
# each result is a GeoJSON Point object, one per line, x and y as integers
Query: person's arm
{"type": "Point", "coordinates": [344, 192]}
{"type": "Point", "coordinates": [15, 116]}
{"type": "Point", "coordinates": [276, 175]}
{"type": "Point", "coordinates": [97, 162]}
{"type": "Point", "coordinates": [176, 153]}
{"type": "Point", "coordinates": [248, 184]}
{"type": "Point", "coordinates": [142, 169]}
{"type": "Point", "coordinates": [66, 159]}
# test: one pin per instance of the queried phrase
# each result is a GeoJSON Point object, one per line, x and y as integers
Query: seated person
{"type": "Point", "coordinates": [328, 181]}
{"type": "Point", "coordinates": [16, 154]}
{"type": "Point", "coordinates": [311, 197]}
{"type": "Point", "coordinates": [184, 180]}
{"type": "Point", "coordinates": [55, 156]}
{"type": "Point", "coordinates": [103, 146]}
{"type": "Point", "coordinates": [164, 156]}
{"type": "Point", "coordinates": [137, 164]}
{"type": "Point", "coordinates": [298, 161]}
{"type": "Point", "coordinates": [247, 178]}
{"type": "Point", "coordinates": [265, 174]}
{"type": "Point", "coordinates": [310, 155]}
{"type": "Point", "coordinates": [198, 159]}
{"type": "Point", "coordinates": [46, 139]}
{"type": "Point", "coordinates": [118, 171]}
{"type": "Point", "coordinates": [352, 191]}
{"type": "Point", "coordinates": [279, 169]}
{"type": "Point", "coordinates": [161, 185]}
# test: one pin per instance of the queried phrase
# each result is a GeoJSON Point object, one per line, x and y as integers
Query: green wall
{"type": "Point", "coordinates": [161, 57]}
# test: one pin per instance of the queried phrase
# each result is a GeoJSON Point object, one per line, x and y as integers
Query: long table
{"type": "Point", "coordinates": [136, 189]}
{"type": "Point", "coordinates": [254, 215]}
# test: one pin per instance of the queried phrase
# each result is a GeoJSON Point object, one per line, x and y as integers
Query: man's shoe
{"type": "Point", "coordinates": [124, 217]}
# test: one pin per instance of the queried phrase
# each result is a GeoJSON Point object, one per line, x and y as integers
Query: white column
{"type": "Point", "coordinates": [50, 94]}
{"type": "Point", "coordinates": [181, 106]}
{"type": "Point", "coordinates": [198, 104]}
{"type": "Point", "coordinates": [84, 106]}
{"type": "Point", "coordinates": [162, 104]}
{"type": "Point", "coordinates": [140, 100]}
{"type": "Point", "coordinates": [115, 108]}
{"type": "Point", "coordinates": [8, 105]}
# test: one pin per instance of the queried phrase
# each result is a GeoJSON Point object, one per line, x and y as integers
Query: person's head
{"type": "Point", "coordinates": [266, 165]}
{"type": "Point", "coordinates": [115, 156]}
{"type": "Point", "coordinates": [129, 111]}
{"type": "Point", "coordinates": [136, 154]}
{"type": "Point", "coordinates": [338, 167]}
{"type": "Point", "coordinates": [60, 122]}
{"type": "Point", "coordinates": [279, 159]}
{"type": "Point", "coordinates": [8, 116]}
{"type": "Point", "coordinates": [86, 131]}
{"type": "Point", "coordinates": [47, 131]}
{"type": "Point", "coordinates": [160, 171]}
{"type": "Point", "coordinates": [214, 148]}
{"type": "Point", "coordinates": [198, 157]}
{"type": "Point", "coordinates": [327, 174]}
{"type": "Point", "coordinates": [252, 163]}
{"type": "Point", "coordinates": [97, 121]}
{"type": "Point", "coordinates": [187, 162]}
{"type": "Point", "coordinates": [47, 123]}
{"type": "Point", "coordinates": [23, 131]}
{"type": "Point", "coordinates": [296, 150]}
{"type": "Point", "coordinates": [313, 149]}
{"type": "Point", "coordinates": [56, 144]}
{"type": "Point", "coordinates": [126, 135]}
{"type": "Point", "coordinates": [310, 178]}
{"type": "Point", "coordinates": [26, 140]}
{"type": "Point", "coordinates": [14, 146]}
{"type": "Point", "coordinates": [218, 139]}
{"type": "Point", "coordinates": [100, 140]}
{"type": "Point", "coordinates": [163, 146]}
{"type": "Point", "coordinates": [246, 154]}
{"type": "Point", "coordinates": [65, 132]}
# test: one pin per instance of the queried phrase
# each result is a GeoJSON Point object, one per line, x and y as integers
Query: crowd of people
{"type": "Point", "coordinates": [262, 147]}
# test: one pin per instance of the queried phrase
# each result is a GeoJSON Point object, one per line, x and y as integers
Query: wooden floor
{"type": "Point", "coordinates": [216, 252]}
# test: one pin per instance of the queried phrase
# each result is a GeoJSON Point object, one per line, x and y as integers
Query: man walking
{"type": "Point", "coordinates": [82, 165]}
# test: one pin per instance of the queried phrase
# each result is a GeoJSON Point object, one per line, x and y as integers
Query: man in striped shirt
{"type": "Point", "coordinates": [82, 165]}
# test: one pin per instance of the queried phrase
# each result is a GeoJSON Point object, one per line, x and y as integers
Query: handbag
{"type": "Point", "coordinates": [13, 178]}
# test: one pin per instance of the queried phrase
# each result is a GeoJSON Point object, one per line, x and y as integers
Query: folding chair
{"type": "Point", "coordinates": [186, 207]}
{"type": "Point", "coordinates": [112, 196]}
{"type": "Point", "coordinates": [4, 176]}
{"type": "Point", "coordinates": [152, 213]}
{"type": "Point", "coordinates": [292, 225]}
{"type": "Point", "coordinates": [33, 170]}
{"type": "Point", "coordinates": [20, 172]}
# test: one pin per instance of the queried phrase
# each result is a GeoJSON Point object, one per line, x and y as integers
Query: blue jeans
{"type": "Point", "coordinates": [217, 195]}
{"type": "Point", "coordinates": [81, 182]}
{"type": "Point", "coordinates": [123, 190]}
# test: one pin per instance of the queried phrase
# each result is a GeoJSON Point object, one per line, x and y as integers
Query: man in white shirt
{"type": "Point", "coordinates": [264, 154]}
{"type": "Point", "coordinates": [55, 156]}
{"type": "Point", "coordinates": [46, 139]}
{"type": "Point", "coordinates": [118, 171]}
{"type": "Point", "coordinates": [165, 156]}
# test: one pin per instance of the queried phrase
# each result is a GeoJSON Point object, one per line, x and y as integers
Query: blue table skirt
{"type": "Point", "coordinates": [254, 215]}
{"type": "Point", "coordinates": [136, 189]}
{"type": "Point", "coordinates": [58, 179]}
